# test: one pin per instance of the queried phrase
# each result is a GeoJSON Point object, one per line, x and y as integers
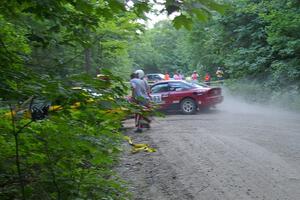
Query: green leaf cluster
{"type": "Point", "coordinates": [71, 153]}
{"type": "Point", "coordinates": [257, 41]}
{"type": "Point", "coordinates": [46, 49]}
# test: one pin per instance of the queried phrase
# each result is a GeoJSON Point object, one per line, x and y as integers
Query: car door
{"type": "Point", "coordinates": [160, 94]}
{"type": "Point", "coordinates": [178, 91]}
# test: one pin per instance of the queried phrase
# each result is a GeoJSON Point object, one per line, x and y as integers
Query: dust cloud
{"type": "Point", "coordinates": [237, 105]}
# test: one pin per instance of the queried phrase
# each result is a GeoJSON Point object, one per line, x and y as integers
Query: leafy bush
{"type": "Point", "coordinates": [265, 93]}
{"type": "Point", "coordinates": [70, 153]}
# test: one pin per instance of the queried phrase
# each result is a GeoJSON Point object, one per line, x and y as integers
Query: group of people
{"type": "Point", "coordinates": [177, 76]}
{"type": "Point", "coordinates": [195, 77]}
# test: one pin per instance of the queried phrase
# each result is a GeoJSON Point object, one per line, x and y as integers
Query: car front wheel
{"type": "Point", "coordinates": [188, 106]}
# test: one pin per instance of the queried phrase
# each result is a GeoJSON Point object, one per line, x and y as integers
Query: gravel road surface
{"type": "Point", "coordinates": [234, 152]}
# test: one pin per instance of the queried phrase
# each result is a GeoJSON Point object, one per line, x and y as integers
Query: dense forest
{"type": "Point", "coordinates": [257, 43]}
{"type": "Point", "coordinates": [52, 50]}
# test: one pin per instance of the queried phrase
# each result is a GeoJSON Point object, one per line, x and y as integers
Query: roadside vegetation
{"type": "Point", "coordinates": [52, 51]}
{"type": "Point", "coordinates": [257, 43]}
{"type": "Point", "coordinates": [60, 123]}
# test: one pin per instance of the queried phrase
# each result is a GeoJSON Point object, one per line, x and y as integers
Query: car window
{"type": "Point", "coordinates": [164, 87]}
{"type": "Point", "coordinates": [179, 86]}
{"type": "Point", "coordinates": [149, 77]}
{"type": "Point", "coordinates": [153, 77]}
{"type": "Point", "coordinates": [156, 77]}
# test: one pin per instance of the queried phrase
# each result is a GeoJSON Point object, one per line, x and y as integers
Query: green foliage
{"type": "Point", "coordinates": [253, 40]}
{"type": "Point", "coordinates": [164, 48]}
{"type": "Point", "coordinates": [14, 48]}
{"type": "Point", "coordinates": [253, 92]}
{"type": "Point", "coordinates": [266, 50]}
{"type": "Point", "coordinates": [159, 49]}
{"type": "Point", "coordinates": [182, 20]}
{"type": "Point", "coordinates": [71, 153]}
{"type": "Point", "coordinates": [263, 93]}
{"type": "Point", "coordinates": [46, 48]}
{"type": "Point", "coordinates": [193, 10]}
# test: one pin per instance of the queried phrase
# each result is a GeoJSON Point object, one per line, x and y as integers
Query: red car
{"type": "Point", "coordinates": [185, 96]}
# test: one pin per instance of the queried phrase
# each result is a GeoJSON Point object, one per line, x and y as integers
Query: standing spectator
{"type": "Point", "coordinates": [141, 75]}
{"type": "Point", "coordinates": [195, 76]}
{"type": "Point", "coordinates": [167, 76]}
{"type": "Point", "coordinates": [181, 76]}
{"type": "Point", "coordinates": [207, 79]}
{"type": "Point", "coordinates": [141, 96]}
{"type": "Point", "coordinates": [139, 88]}
{"type": "Point", "coordinates": [177, 76]}
{"type": "Point", "coordinates": [220, 74]}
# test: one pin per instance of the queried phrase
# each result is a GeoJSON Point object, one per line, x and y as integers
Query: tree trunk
{"type": "Point", "coordinates": [87, 59]}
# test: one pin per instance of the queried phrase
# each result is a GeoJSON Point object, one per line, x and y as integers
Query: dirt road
{"type": "Point", "coordinates": [235, 152]}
